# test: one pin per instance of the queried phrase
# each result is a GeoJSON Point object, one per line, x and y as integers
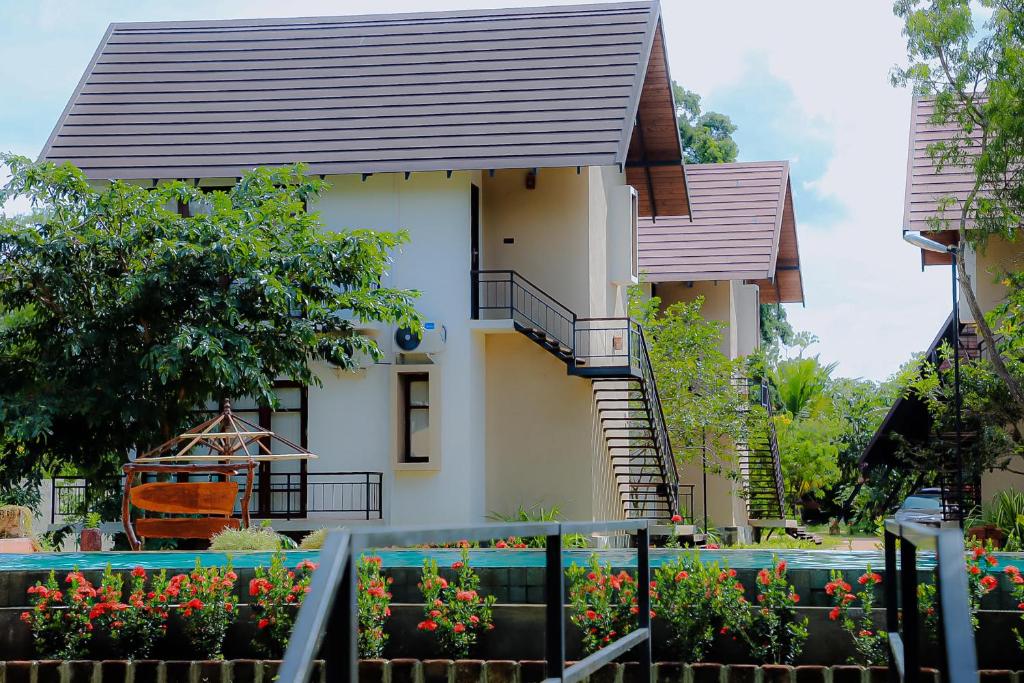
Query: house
{"type": "Point", "coordinates": [518, 148]}
{"type": "Point", "coordinates": [737, 250]}
{"type": "Point", "coordinates": [933, 207]}
{"type": "Point", "coordinates": [533, 156]}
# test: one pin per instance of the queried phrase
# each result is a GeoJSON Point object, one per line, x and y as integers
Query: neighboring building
{"type": "Point", "coordinates": [933, 207]}
{"type": "Point", "coordinates": [508, 143]}
{"type": "Point", "coordinates": [738, 252]}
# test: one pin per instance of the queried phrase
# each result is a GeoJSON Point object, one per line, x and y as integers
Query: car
{"type": "Point", "coordinates": [922, 507]}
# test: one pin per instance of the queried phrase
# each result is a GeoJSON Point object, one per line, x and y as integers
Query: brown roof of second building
{"type": "Point", "coordinates": [515, 88]}
{"type": "Point", "coordinates": [934, 198]}
{"type": "Point", "coordinates": [743, 228]}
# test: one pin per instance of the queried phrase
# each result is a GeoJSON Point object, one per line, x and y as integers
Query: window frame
{"type": "Point", "coordinates": [406, 408]}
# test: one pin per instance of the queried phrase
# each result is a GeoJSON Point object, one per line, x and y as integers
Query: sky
{"type": "Point", "coordinates": [805, 80]}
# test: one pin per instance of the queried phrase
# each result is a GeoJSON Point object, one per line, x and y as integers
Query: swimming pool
{"type": "Point", "coordinates": [737, 559]}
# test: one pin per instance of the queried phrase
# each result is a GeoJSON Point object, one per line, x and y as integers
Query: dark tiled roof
{"type": "Point", "coordinates": [516, 88]}
{"type": "Point", "coordinates": [743, 228]}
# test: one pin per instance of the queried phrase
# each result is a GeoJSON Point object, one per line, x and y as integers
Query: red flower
{"type": "Point", "coordinates": [139, 573]}
{"type": "Point", "coordinates": [474, 619]}
{"type": "Point", "coordinates": [764, 577]}
{"type": "Point", "coordinates": [975, 569]}
{"type": "Point", "coordinates": [865, 633]}
{"type": "Point", "coordinates": [591, 614]}
{"type": "Point", "coordinates": [263, 623]}
{"type": "Point", "coordinates": [427, 625]}
{"type": "Point", "coordinates": [834, 614]}
{"type": "Point", "coordinates": [780, 568]}
{"type": "Point", "coordinates": [794, 597]}
{"type": "Point", "coordinates": [26, 617]}
{"type": "Point", "coordinates": [459, 628]}
{"type": "Point", "coordinates": [457, 565]}
{"type": "Point", "coordinates": [989, 582]}
{"type": "Point", "coordinates": [501, 544]}
{"type": "Point", "coordinates": [676, 519]}
{"type": "Point", "coordinates": [711, 546]}
{"type": "Point", "coordinates": [681, 576]}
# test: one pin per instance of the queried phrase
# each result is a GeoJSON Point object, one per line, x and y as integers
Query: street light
{"type": "Point", "coordinates": [919, 240]}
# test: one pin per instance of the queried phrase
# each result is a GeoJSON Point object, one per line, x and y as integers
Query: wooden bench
{"type": "Point", "coordinates": [214, 500]}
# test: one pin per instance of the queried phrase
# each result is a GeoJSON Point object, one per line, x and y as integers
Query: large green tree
{"type": "Point", "coordinates": [119, 315]}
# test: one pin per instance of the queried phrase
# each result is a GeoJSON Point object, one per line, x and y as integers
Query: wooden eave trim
{"type": "Point", "coordinates": [633, 106]}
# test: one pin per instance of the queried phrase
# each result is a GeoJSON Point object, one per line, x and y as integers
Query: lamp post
{"type": "Point", "coordinates": [919, 240]}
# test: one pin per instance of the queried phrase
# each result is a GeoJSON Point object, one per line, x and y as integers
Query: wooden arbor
{"type": "Point", "coordinates": [224, 446]}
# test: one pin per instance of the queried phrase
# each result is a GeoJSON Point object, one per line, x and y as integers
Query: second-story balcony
{"type": "Point", "coordinates": [607, 346]}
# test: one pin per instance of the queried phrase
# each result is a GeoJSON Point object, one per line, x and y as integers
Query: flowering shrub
{"type": "Point", "coordinates": [979, 584]}
{"type": "Point", "coordinates": [206, 604]}
{"type": "Point", "coordinates": [1017, 591]}
{"type": "Point", "coordinates": [872, 645]}
{"type": "Point", "coordinates": [275, 593]}
{"type": "Point", "coordinates": [772, 630]}
{"type": "Point", "coordinates": [455, 612]}
{"type": "Point", "coordinates": [374, 607]}
{"type": "Point", "coordinates": [697, 601]}
{"type": "Point", "coordinates": [603, 604]}
{"type": "Point", "coordinates": [62, 622]}
{"type": "Point", "coordinates": [137, 624]}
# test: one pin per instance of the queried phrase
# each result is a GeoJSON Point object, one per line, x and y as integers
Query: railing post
{"type": "Point", "coordinates": [643, 579]}
{"type": "Point", "coordinates": [367, 496]}
{"type": "Point", "coordinates": [554, 630]}
{"type": "Point", "coordinates": [340, 651]}
{"type": "Point", "coordinates": [911, 619]}
{"type": "Point", "coordinates": [892, 609]}
{"type": "Point", "coordinates": [474, 294]}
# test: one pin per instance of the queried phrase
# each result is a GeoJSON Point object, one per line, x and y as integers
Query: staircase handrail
{"type": "Point", "coordinates": [661, 427]}
{"type": "Point", "coordinates": [636, 354]}
{"type": "Point", "coordinates": [773, 441]}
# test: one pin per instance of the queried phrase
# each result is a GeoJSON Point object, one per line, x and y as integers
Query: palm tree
{"type": "Point", "coordinates": [800, 384]}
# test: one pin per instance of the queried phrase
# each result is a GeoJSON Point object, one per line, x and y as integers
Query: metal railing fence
{"type": "Point", "coordinates": [328, 620]}
{"type": "Point", "coordinates": [955, 637]}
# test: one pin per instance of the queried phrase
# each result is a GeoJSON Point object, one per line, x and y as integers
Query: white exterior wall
{"type": "Point", "coordinates": [489, 386]}
{"type": "Point", "coordinates": [352, 418]}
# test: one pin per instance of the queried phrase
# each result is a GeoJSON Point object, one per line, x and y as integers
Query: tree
{"type": "Point", "coordinates": [119, 316]}
{"type": "Point", "coordinates": [800, 384]}
{"type": "Point", "coordinates": [811, 446]}
{"type": "Point", "coordinates": [695, 379]}
{"type": "Point", "coordinates": [976, 76]}
{"type": "Point", "coordinates": [706, 136]}
{"type": "Point", "coordinates": [775, 328]}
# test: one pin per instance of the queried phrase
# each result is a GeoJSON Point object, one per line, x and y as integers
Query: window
{"type": "Point", "coordinates": [414, 415]}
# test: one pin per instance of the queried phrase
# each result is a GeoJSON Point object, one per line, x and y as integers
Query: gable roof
{"type": "Point", "coordinates": [908, 416]}
{"type": "Point", "coordinates": [931, 193]}
{"type": "Point", "coordinates": [486, 89]}
{"type": "Point", "coordinates": [743, 228]}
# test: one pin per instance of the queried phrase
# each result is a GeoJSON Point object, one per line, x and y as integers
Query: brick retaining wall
{"type": "Point", "coordinates": [446, 671]}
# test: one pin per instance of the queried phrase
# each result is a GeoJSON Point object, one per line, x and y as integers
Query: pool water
{"type": "Point", "coordinates": [737, 559]}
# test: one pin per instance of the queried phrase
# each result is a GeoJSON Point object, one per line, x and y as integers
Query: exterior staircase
{"type": "Point", "coordinates": [613, 354]}
{"type": "Point", "coordinates": [760, 464]}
